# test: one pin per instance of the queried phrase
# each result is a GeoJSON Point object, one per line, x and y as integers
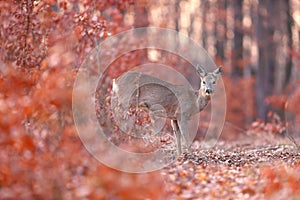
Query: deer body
{"type": "Point", "coordinates": [163, 99]}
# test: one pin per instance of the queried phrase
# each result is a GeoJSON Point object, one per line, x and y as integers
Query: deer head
{"type": "Point", "coordinates": [208, 81]}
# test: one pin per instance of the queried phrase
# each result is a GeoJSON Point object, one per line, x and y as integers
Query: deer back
{"type": "Point", "coordinates": [134, 88]}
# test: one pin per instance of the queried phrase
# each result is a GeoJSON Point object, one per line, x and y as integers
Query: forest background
{"type": "Point", "coordinates": [43, 43]}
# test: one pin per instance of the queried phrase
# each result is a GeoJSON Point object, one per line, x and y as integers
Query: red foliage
{"type": "Point", "coordinates": [281, 180]}
{"type": "Point", "coordinates": [42, 43]}
{"type": "Point", "coordinates": [273, 125]}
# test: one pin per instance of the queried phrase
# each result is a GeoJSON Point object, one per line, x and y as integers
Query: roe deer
{"type": "Point", "coordinates": [179, 102]}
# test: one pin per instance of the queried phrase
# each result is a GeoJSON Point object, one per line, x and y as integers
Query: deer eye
{"type": "Point", "coordinates": [214, 82]}
{"type": "Point", "coordinates": [203, 82]}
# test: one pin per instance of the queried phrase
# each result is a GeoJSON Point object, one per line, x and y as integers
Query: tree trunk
{"type": "Point", "coordinates": [238, 40]}
{"type": "Point", "coordinates": [204, 6]}
{"type": "Point", "coordinates": [289, 25]}
{"type": "Point", "coordinates": [266, 54]}
{"type": "Point", "coordinates": [220, 30]}
{"type": "Point", "coordinates": [177, 14]}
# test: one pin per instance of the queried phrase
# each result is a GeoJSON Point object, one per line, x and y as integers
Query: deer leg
{"type": "Point", "coordinates": [174, 124]}
{"type": "Point", "coordinates": [183, 127]}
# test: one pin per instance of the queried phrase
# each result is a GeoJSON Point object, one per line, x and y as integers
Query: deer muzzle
{"type": "Point", "coordinates": [208, 91]}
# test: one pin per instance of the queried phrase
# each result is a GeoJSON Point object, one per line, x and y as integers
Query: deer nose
{"type": "Point", "coordinates": [208, 91]}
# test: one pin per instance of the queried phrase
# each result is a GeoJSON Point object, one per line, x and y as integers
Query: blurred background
{"type": "Point", "coordinates": [257, 43]}
{"type": "Point", "coordinates": [43, 43]}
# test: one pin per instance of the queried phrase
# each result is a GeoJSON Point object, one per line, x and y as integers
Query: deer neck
{"type": "Point", "coordinates": [202, 100]}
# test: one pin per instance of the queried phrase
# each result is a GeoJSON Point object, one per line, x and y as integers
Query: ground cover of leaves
{"type": "Point", "coordinates": [236, 171]}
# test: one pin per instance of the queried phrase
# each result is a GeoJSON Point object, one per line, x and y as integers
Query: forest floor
{"type": "Point", "coordinates": [255, 169]}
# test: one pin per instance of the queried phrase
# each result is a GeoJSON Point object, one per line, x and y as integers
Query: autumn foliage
{"type": "Point", "coordinates": [42, 46]}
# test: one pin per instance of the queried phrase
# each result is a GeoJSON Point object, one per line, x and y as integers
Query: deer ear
{"type": "Point", "coordinates": [217, 72]}
{"type": "Point", "coordinates": [201, 71]}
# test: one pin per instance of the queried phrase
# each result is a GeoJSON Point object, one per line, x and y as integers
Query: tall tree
{"type": "Point", "coordinates": [265, 30]}
{"type": "Point", "coordinates": [289, 25]}
{"type": "Point", "coordinates": [177, 14]}
{"type": "Point", "coordinates": [238, 39]}
{"type": "Point", "coordinates": [221, 29]}
{"type": "Point", "coordinates": [204, 6]}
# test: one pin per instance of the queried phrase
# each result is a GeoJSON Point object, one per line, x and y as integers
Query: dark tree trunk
{"type": "Point", "coordinates": [177, 14]}
{"type": "Point", "coordinates": [204, 6]}
{"type": "Point", "coordinates": [191, 27]}
{"type": "Point", "coordinates": [238, 39]}
{"type": "Point", "coordinates": [266, 52]}
{"type": "Point", "coordinates": [289, 42]}
{"type": "Point", "coordinates": [221, 30]}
